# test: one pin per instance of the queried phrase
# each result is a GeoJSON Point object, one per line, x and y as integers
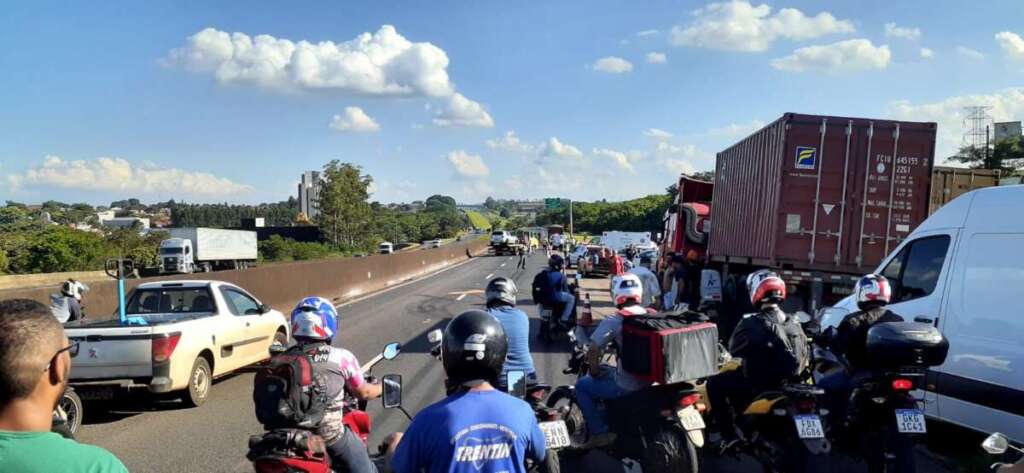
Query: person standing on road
{"type": "Point", "coordinates": [476, 428]}
{"type": "Point", "coordinates": [314, 325]}
{"type": "Point", "coordinates": [35, 361]}
{"type": "Point", "coordinates": [522, 258]}
{"type": "Point", "coordinates": [652, 293]}
{"type": "Point", "coordinates": [500, 295]}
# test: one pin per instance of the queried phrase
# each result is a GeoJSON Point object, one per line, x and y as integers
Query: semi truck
{"type": "Point", "coordinates": [206, 249]}
{"type": "Point", "coordinates": [819, 199]}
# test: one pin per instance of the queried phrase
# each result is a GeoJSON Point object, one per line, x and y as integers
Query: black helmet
{"type": "Point", "coordinates": [474, 347]}
{"type": "Point", "coordinates": [556, 262]}
{"type": "Point", "coordinates": [501, 290]}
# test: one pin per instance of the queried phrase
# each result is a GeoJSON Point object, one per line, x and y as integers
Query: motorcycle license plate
{"type": "Point", "coordinates": [910, 421]}
{"type": "Point", "coordinates": [809, 426]}
{"type": "Point", "coordinates": [556, 435]}
{"type": "Point", "coordinates": [691, 419]}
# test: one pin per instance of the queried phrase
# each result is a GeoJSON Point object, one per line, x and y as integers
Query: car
{"type": "Point", "coordinates": [573, 258]}
{"type": "Point", "coordinates": [597, 262]}
{"type": "Point", "coordinates": [435, 243]}
{"type": "Point", "coordinates": [960, 271]}
{"type": "Point", "coordinates": [183, 335]}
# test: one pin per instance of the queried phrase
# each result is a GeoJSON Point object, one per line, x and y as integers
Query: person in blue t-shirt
{"type": "Point", "coordinates": [501, 303]}
{"type": "Point", "coordinates": [476, 428]}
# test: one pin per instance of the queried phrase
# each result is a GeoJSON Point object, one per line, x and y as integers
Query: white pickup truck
{"type": "Point", "coordinates": [194, 331]}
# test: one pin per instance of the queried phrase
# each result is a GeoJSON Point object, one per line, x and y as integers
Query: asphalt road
{"type": "Point", "coordinates": [156, 435]}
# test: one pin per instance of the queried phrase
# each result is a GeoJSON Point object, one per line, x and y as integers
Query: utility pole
{"type": "Point", "coordinates": [570, 219]}
{"type": "Point", "coordinates": [988, 163]}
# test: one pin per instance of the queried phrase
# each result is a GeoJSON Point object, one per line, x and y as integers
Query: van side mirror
{"type": "Point", "coordinates": [392, 397]}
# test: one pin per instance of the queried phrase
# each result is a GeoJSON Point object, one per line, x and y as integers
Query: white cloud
{"type": "Point", "coordinates": [647, 33]}
{"type": "Point", "coordinates": [903, 32]}
{"type": "Point", "coordinates": [623, 160]}
{"type": "Point", "coordinates": [468, 165]}
{"type": "Point", "coordinates": [656, 58]}
{"type": "Point", "coordinates": [735, 130]}
{"type": "Point", "coordinates": [354, 120]}
{"type": "Point", "coordinates": [510, 142]}
{"type": "Point", "coordinates": [463, 112]}
{"type": "Point", "coordinates": [686, 158]}
{"type": "Point", "coordinates": [969, 53]}
{"type": "Point", "coordinates": [1006, 105]}
{"type": "Point", "coordinates": [740, 26]}
{"type": "Point", "coordinates": [1012, 44]}
{"type": "Point", "coordinates": [382, 63]}
{"type": "Point", "coordinates": [119, 175]}
{"type": "Point", "coordinates": [927, 53]}
{"type": "Point", "coordinates": [844, 56]}
{"type": "Point", "coordinates": [657, 134]}
{"type": "Point", "coordinates": [556, 149]}
{"type": "Point", "coordinates": [613, 65]}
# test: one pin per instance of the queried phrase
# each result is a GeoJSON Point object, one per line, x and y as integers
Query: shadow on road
{"type": "Point", "coordinates": [131, 403]}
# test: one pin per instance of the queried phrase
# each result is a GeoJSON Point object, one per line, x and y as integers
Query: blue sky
{"type": "Point", "coordinates": [602, 99]}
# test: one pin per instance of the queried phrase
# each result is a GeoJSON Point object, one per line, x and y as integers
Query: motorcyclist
{"type": "Point", "coordinates": [603, 382]}
{"type": "Point", "coordinates": [67, 306]}
{"type": "Point", "coordinates": [314, 325]}
{"type": "Point", "coordinates": [649, 282]}
{"type": "Point", "coordinates": [849, 340]}
{"type": "Point", "coordinates": [555, 290]}
{"type": "Point", "coordinates": [773, 348]}
{"type": "Point", "coordinates": [476, 428]}
{"type": "Point", "coordinates": [500, 295]}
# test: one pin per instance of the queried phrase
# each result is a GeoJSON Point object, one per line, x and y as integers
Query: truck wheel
{"type": "Point", "coordinates": [199, 382]}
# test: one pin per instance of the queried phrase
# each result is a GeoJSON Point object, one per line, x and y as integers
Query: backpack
{"type": "Point", "coordinates": [288, 392]}
{"type": "Point", "coordinates": [793, 354]}
{"type": "Point", "coordinates": [541, 290]}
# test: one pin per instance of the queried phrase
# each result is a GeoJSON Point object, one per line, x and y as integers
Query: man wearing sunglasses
{"type": "Point", "coordinates": [35, 361]}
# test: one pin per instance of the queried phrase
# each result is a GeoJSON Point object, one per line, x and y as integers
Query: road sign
{"type": "Point", "coordinates": [552, 203]}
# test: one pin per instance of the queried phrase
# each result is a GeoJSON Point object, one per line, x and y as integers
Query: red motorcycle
{"type": "Point", "coordinates": [299, 450]}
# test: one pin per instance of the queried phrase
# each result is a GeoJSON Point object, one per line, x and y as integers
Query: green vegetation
{"type": "Point", "coordinates": [638, 215]}
{"type": "Point", "coordinates": [227, 216]}
{"type": "Point", "coordinates": [478, 220]}
{"type": "Point", "coordinates": [276, 248]}
{"type": "Point", "coordinates": [1006, 155]}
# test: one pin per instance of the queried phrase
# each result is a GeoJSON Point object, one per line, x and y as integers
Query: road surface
{"type": "Point", "coordinates": [156, 436]}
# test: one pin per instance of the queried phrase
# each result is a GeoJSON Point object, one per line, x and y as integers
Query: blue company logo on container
{"type": "Point", "coordinates": [806, 157]}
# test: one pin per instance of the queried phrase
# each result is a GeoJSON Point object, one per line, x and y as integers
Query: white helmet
{"type": "Point", "coordinates": [73, 288]}
{"type": "Point", "coordinates": [627, 287]}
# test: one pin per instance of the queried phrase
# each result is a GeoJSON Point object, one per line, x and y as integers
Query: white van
{"type": "Point", "coordinates": [963, 270]}
{"type": "Point", "coordinates": [386, 248]}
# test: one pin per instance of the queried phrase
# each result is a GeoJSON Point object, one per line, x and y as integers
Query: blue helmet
{"type": "Point", "coordinates": [315, 317]}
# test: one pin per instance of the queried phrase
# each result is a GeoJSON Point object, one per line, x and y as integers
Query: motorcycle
{"type": "Point", "coordinates": [658, 427]}
{"type": "Point", "coordinates": [556, 434]}
{"type": "Point", "coordinates": [550, 328]}
{"type": "Point", "coordinates": [302, 451]}
{"type": "Point", "coordinates": [784, 429]}
{"type": "Point", "coordinates": [998, 444]}
{"type": "Point", "coordinates": [67, 417]}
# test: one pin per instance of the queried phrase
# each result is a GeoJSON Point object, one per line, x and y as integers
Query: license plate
{"type": "Point", "coordinates": [556, 435]}
{"type": "Point", "coordinates": [910, 421]}
{"type": "Point", "coordinates": [691, 419]}
{"type": "Point", "coordinates": [101, 393]}
{"type": "Point", "coordinates": [809, 426]}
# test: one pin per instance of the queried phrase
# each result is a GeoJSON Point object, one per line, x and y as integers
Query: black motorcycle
{"type": "Point", "coordinates": [551, 327]}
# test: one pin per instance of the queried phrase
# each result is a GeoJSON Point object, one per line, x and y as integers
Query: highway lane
{"type": "Point", "coordinates": [154, 435]}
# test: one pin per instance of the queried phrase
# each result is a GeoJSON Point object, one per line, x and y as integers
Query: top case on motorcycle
{"type": "Point", "coordinates": [667, 349]}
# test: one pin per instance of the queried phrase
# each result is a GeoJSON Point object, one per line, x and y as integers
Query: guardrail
{"type": "Point", "coordinates": [280, 285]}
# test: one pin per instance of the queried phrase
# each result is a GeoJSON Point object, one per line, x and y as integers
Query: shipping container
{"type": "Point", "coordinates": [821, 193]}
{"type": "Point", "coordinates": [949, 183]}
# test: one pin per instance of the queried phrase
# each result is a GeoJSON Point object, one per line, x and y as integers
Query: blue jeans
{"type": "Point", "coordinates": [838, 386]}
{"type": "Point", "coordinates": [567, 299]}
{"type": "Point", "coordinates": [589, 390]}
{"type": "Point", "coordinates": [349, 454]}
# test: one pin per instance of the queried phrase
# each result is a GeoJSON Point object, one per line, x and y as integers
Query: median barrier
{"type": "Point", "coordinates": [281, 285]}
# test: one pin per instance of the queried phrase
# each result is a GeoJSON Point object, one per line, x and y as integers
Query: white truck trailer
{"type": "Point", "coordinates": [206, 249]}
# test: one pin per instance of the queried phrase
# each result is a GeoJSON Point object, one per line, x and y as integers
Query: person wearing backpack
{"type": "Point", "coordinates": [773, 348]}
{"type": "Point", "coordinates": [314, 326]}
{"type": "Point", "coordinates": [551, 290]}
{"type": "Point", "coordinates": [604, 382]}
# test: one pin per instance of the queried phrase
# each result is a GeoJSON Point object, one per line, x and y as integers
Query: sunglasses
{"type": "Point", "coordinates": [72, 350]}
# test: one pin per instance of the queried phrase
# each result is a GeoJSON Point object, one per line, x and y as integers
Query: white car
{"type": "Point", "coordinates": [573, 259]}
{"type": "Point", "coordinates": [183, 335]}
{"type": "Point", "coordinates": [960, 270]}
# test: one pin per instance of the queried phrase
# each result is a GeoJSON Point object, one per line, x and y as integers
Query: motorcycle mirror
{"type": "Point", "coordinates": [391, 350]}
{"type": "Point", "coordinates": [277, 349]}
{"type": "Point", "coordinates": [996, 444]}
{"type": "Point", "coordinates": [434, 336]}
{"type": "Point", "coordinates": [392, 391]}
{"type": "Point", "coordinates": [516, 383]}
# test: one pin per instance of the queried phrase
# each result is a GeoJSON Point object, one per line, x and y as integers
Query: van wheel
{"type": "Point", "coordinates": [199, 382]}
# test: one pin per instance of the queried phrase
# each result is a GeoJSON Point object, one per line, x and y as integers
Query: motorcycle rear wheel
{"type": "Point", "coordinates": [670, 451]}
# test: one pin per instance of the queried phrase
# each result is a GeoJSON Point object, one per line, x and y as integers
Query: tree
{"type": "Point", "coordinates": [1006, 155]}
{"type": "Point", "coordinates": [344, 211]}
{"type": "Point", "coordinates": [504, 213]}
{"type": "Point", "coordinates": [490, 203]}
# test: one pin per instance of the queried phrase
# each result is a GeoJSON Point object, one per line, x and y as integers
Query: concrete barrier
{"type": "Point", "coordinates": [52, 280]}
{"type": "Point", "coordinates": [281, 285]}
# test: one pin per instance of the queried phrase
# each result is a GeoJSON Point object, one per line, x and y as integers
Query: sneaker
{"type": "Point", "coordinates": [599, 441]}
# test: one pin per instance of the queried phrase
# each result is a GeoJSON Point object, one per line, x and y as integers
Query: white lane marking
{"type": "Point", "coordinates": [489, 276]}
{"type": "Point", "coordinates": [426, 321]}
{"type": "Point", "coordinates": [463, 296]}
{"type": "Point", "coordinates": [503, 265]}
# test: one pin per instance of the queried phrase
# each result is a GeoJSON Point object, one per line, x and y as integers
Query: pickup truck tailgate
{"type": "Point", "coordinates": [112, 353]}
